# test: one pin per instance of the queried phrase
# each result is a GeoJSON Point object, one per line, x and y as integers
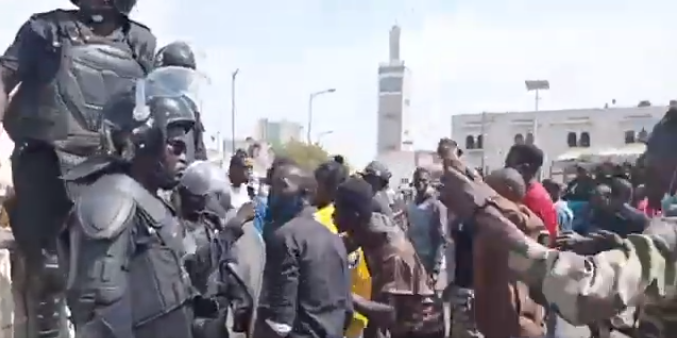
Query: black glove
{"type": "Point", "coordinates": [211, 327]}
{"type": "Point", "coordinates": [205, 307]}
{"type": "Point", "coordinates": [241, 320]}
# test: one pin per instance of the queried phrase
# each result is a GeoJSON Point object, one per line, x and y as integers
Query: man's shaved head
{"type": "Point", "coordinates": [660, 158]}
{"type": "Point", "coordinates": [289, 179]}
{"type": "Point", "coordinates": [291, 189]}
{"type": "Point", "coordinates": [508, 182]}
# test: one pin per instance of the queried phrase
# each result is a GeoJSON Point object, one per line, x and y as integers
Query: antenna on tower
{"type": "Point", "coordinates": [395, 33]}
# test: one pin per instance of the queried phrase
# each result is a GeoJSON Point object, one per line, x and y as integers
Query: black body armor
{"type": "Point", "coordinates": [141, 288]}
{"type": "Point", "coordinates": [61, 105]}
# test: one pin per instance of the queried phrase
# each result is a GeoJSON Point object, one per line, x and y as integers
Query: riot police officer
{"type": "Point", "coordinates": [63, 66]}
{"type": "Point", "coordinates": [385, 202]}
{"type": "Point", "coordinates": [125, 249]}
{"type": "Point", "coordinates": [181, 55]}
{"type": "Point", "coordinates": [198, 184]}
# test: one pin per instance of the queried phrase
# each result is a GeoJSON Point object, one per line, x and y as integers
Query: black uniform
{"type": "Point", "coordinates": [198, 184]}
{"type": "Point", "coordinates": [66, 74]}
{"type": "Point", "coordinates": [200, 232]}
{"type": "Point", "coordinates": [125, 250]}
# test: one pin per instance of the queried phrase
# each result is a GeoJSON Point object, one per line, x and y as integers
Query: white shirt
{"type": "Point", "coordinates": [239, 196]}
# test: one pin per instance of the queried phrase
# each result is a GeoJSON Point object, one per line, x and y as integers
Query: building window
{"type": "Point", "coordinates": [643, 135]}
{"type": "Point", "coordinates": [390, 85]}
{"type": "Point", "coordinates": [572, 139]}
{"type": "Point", "coordinates": [530, 138]}
{"type": "Point", "coordinates": [479, 143]}
{"type": "Point", "coordinates": [469, 142]}
{"type": "Point", "coordinates": [391, 116]}
{"type": "Point", "coordinates": [518, 139]}
{"type": "Point", "coordinates": [629, 136]}
{"type": "Point", "coordinates": [584, 140]}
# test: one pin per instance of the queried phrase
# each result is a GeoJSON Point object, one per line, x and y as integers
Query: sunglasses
{"type": "Point", "coordinates": [178, 147]}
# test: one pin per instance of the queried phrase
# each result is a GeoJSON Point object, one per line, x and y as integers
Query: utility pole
{"type": "Point", "coordinates": [484, 141]}
{"type": "Point", "coordinates": [232, 107]}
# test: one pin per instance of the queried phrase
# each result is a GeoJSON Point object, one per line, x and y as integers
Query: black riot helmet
{"type": "Point", "coordinates": [121, 6]}
{"type": "Point", "coordinates": [201, 181]}
{"type": "Point", "coordinates": [202, 178]}
{"type": "Point", "coordinates": [176, 54]}
{"type": "Point", "coordinates": [377, 174]}
{"type": "Point", "coordinates": [140, 123]}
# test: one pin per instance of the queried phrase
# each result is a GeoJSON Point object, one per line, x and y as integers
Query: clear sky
{"type": "Point", "coordinates": [466, 56]}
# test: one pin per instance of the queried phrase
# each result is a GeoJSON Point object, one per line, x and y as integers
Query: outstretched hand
{"type": "Point", "coordinates": [592, 244]}
{"type": "Point", "coordinates": [247, 212]}
{"type": "Point", "coordinates": [462, 190]}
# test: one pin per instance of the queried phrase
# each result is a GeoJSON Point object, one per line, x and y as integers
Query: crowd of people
{"type": "Point", "coordinates": [117, 217]}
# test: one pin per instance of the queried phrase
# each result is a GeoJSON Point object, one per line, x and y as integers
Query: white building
{"type": "Point", "coordinates": [486, 137]}
{"type": "Point", "coordinates": [403, 163]}
{"type": "Point", "coordinates": [277, 132]}
{"type": "Point", "coordinates": [394, 95]}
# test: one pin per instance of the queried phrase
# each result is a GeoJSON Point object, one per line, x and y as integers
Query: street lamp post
{"type": "Point", "coordinates": [310, 111]}
{"type": "Point", "coordinates": [321, 135]}
{"type": "Point", "coordinates": [232, 108]}
{"type": "Point", "coordinates": [536, 86]}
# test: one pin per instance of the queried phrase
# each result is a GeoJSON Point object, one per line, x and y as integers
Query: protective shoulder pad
{"type": "Point", "coordinates": [143, 44]}
{"type": "Point", "coordinates": [135, 25]}
{"type": "Point", "coordinates": [104, 211]}
{"type": "Point", "coordinates": [57, 15]}
{"type": "Point", "coordinates": [48, 24]}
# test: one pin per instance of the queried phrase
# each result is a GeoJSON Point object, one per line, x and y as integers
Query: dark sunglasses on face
{"type": "Point", "coordinates": [178, 147]}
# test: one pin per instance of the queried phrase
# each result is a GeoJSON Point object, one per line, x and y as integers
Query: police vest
{"type": "Point", "coordinates": [61, 103]}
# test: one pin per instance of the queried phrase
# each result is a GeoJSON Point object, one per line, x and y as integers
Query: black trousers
{"type": "Point", "coordinates": [42, 205]}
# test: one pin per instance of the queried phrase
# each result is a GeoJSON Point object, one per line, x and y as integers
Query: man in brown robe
{"type": "Point", "coordinates": [399, 278]}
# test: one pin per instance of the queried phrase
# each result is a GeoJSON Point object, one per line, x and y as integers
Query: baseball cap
{"type": "Point", "coordinates": [378, 169]}
{"type": "Point", "coordinates": [239, 160]}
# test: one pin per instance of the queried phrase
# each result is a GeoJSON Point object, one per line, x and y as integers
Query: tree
{"type": "Point", "coordinates": [308, 156]}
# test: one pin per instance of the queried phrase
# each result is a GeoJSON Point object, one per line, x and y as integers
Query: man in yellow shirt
{"type": "Point", "coordinates": [329, 175]}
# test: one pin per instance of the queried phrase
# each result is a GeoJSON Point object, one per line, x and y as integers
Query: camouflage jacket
{"type": "Point", "coordinates": [587, 289]}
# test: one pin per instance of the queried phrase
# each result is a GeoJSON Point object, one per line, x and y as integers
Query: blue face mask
{"type": "Point", "coordinates": [669, 201]}
{"type": "Point", "coordinates": [284, 208]}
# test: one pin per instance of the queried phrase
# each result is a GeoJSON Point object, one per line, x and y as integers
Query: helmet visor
{"type": "Point", "coordinates": [171, 81]}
